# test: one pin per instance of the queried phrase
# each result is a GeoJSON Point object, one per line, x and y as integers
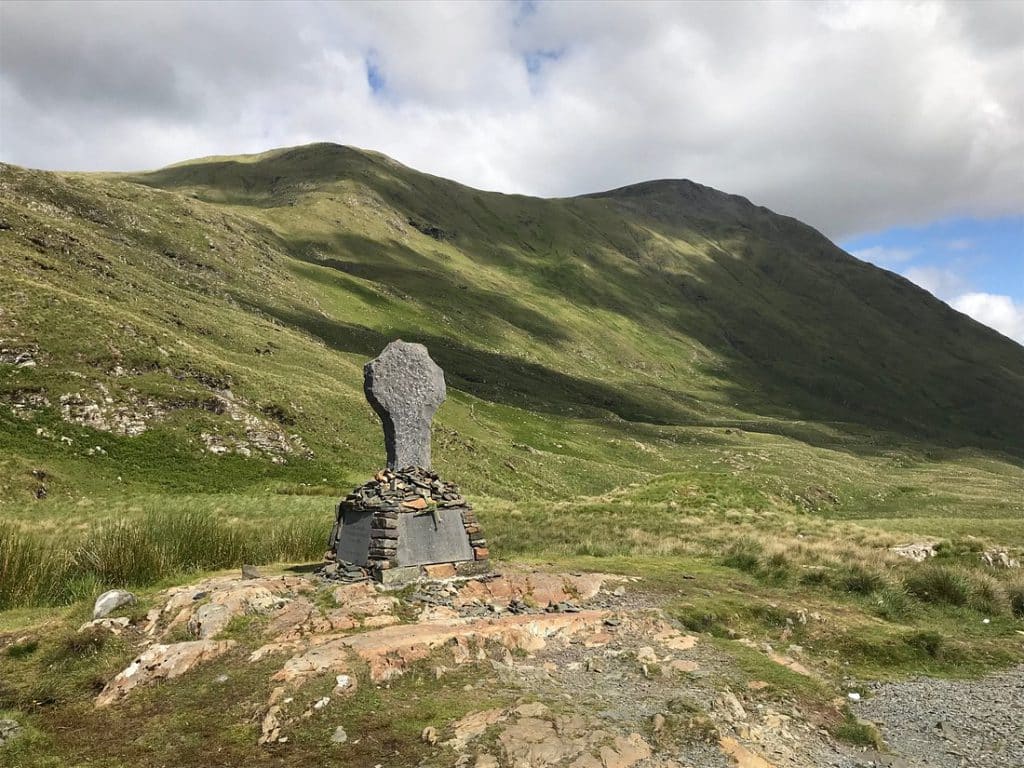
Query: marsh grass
{"type": "Point", "coordinates": [142, 551]}
{"type": "Point", "coordinates": [861, 579]}
{"type": "Point", "coordinates": [1015, 595]}
{"type": "Point", "coordinates": [946, 584]}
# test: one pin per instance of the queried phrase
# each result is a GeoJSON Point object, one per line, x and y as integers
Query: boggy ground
{"type": "Point", "coordinates": [520, 669]}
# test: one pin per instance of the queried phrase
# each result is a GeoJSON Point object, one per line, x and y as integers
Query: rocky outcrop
{"type": "Point", "coordinates": [161, 662]}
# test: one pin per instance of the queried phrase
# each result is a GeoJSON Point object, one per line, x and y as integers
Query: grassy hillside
{"type": "Point", "coordinates": [193, 338]}
{"type": "Point", "coordinates": [662, 381]}
{"type": "Point", "coordinates": [275, 276]}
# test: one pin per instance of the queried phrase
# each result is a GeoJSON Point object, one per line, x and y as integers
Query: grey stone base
{"type": "Point", "coordinates": [473, 567]}
{"type": "Point", "coordinates": [394, 578]}
{"type": "Point", "coordinates": [397, 577]}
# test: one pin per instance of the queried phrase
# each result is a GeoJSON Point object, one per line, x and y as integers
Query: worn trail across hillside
{"type": "Point", "coordinates": [575, 671]}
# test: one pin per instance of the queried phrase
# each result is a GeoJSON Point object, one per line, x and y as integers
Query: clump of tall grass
{"type": "Point", "coordinates": [988, 595]}
{"type": "Point", "coordinates": [861, 579]}
{"type": "Point", "coordinates": [744, 555]}
{"type": "Point", "coordinates": [120, 554]}
{"type": "Point", "coordinates": [750, 556]}
{"type": "Point", "coordinates": [928, 642]}
{"type": "Point", "coordinates": [939, 584]}
{"type": "Point", "coordinates": [1015, 595]}
{"type": "Point", "coordinates": [30, 572]}
{"type": "Point", "coordinates": [894, 603]}
{"type": "Point", "coordinates": [959, 586]}
{"type": "Point", "coordinates": [143, 551]}
{"type": "Point", "coordinates": [776, 567]}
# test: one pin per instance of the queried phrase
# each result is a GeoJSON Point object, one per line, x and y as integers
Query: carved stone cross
{"type": "Point", "coordinates": [405, 388]}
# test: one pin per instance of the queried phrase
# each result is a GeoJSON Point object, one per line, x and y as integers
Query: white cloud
{"type": "Point", "coordinates": [995, 311]}
{"type": "Point", "coordinates": [941, 282]}
{"type": "Point", "coordinates": [882, 256]}
{"type": "Point", "coordinates": [851, 116]}
{"type": "Point", "coordinates": [960, 244]}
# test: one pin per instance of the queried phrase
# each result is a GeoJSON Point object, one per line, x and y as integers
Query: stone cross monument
{"type": "Point", "coordinates": [407, 522]}
{"type": "Point", "coordinates": [405, 388]}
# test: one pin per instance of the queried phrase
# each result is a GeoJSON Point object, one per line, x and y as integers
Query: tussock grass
{"type": "Point", "coordinates": [1015, 595]}
{"type": "Point", "coordinates": [744, 555]}
{"type": "Point", "coordinates": [861, 579]}
{"type": "Point", "coordinates": [142, 551]}
{"type": "Point", "coordinates": [928, 642]}
{"type": "Point", "coordinates": [988, 595]}
{"type": "Point", "coordinates": [946, 584]}
{"type": "Point", "coordinates": [894, 603]}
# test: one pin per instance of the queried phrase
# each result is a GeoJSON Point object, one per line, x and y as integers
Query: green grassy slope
{"type": "Point", "coordinates": [663, 380]}
{"type": "Point", "coordinates": [229, 304]}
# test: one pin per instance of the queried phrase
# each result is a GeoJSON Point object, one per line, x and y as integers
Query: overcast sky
{"type": "Point", "coordinates": [867, 120]}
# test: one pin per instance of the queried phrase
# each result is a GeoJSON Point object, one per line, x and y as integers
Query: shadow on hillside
{"type": "Point", "coordinates": [400, 269]}
{"type": "Point", "coordinates": [795, 329]}
{"type": "Point", "coordinates": [498, 378]}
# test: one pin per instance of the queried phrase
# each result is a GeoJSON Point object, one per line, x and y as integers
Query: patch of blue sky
{"type": "Point", "coordinates": [524, 9]}
{"type": "Point", "coordinates": [374, 76]}
{"type": "Point", "coordinates": [975, 254]}
{"type": "Point", "coordinates": [536, 60]}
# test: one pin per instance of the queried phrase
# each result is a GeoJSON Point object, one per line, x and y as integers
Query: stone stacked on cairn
{"type": "Point", "coordinates": [417, 492]}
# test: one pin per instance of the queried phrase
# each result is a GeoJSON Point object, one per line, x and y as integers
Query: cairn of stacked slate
{"type": "Point", "coordinates": [427, 510]}
{"type": "Point", "coordinates": [406, 523]}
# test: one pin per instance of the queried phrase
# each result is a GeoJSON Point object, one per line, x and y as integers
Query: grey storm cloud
{"type": "Point", "coordinates": [850, 116]}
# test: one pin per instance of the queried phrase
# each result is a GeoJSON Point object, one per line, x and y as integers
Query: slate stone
{"type": "Point", "coordinates": [354, 542]}
{"type": "Point", "coordinates": [426, 538]}
{"type": "Point", "coordinates": [405, 388]}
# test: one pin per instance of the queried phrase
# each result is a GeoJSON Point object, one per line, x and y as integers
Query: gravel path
{"type": "Point", "coordinates": [952, 723]}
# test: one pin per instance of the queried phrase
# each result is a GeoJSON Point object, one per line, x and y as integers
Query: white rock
{"type": "Point", "coordinates": [339, 737]}
{"type": "Point", "coordinates": [114, 626]}
{"type": "Point", "coordinates": [342, 682]}
{"type": "Point", "coordinates": [853, 696]}
{"type": "Point", "coordinates": [646, 655]}
{"type": "Point", "coordinates": [110, 601]}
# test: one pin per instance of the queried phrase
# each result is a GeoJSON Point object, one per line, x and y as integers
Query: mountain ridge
{"type": "Point", "coordinates": [630, 306]}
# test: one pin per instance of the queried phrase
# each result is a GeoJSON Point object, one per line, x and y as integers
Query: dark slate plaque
{"type": "Point", "coordinates": [354, 541]}
{"type": "Point", "coordinates": [419, 543]}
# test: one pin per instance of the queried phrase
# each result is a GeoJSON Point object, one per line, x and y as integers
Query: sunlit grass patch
{"type": "Point", "coordinates": [143, 550]}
